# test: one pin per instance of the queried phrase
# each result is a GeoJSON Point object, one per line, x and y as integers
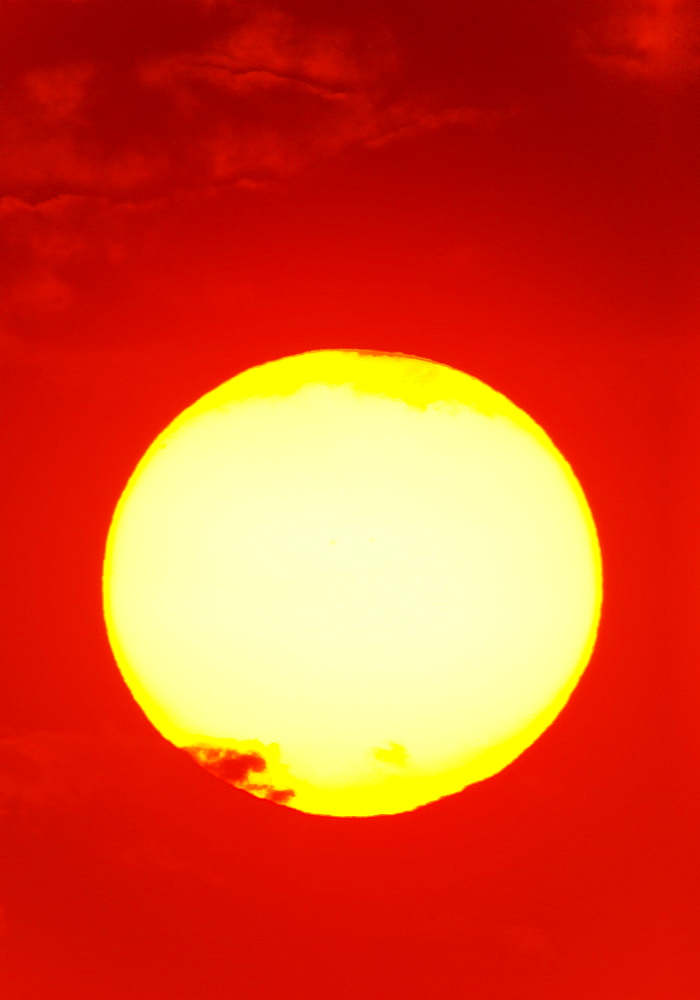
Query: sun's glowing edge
{"type": "Point", "coordinates": [339, 368]}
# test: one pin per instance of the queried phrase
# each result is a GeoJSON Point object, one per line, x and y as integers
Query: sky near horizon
{"type": "Point", "coordinates": [191, 188]}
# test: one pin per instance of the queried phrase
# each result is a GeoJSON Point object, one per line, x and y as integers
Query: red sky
{"type": "Point", "coordinates": [189, 188]}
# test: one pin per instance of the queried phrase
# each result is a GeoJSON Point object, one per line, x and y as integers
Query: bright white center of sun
{"type": "Point", "coordinates": [352, 590]}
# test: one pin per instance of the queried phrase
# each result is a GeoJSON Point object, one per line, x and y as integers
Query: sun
{"type": "Point", "coordinates": [352, 582]}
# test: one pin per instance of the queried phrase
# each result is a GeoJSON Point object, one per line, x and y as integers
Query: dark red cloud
{"type": "Point", "coordinates": [653, 40]}
{"type": "Point", "coordinates": [238, 770]}
{"type": "Point", "coordinates": [46, 246]}
{"type": "Point", "coordinates": [258, 98]}
{"type": "Point", "coordinates": [101, 122]}
{"type": "Point", "coordinates": [111, 110]}
{"type": "Point", "coordinates": [127, 869]}
{"type": "Point", "coordinates": [120, 781]}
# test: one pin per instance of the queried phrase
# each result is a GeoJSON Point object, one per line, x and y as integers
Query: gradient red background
{"type": "Point", "coordinates": [191, 188]}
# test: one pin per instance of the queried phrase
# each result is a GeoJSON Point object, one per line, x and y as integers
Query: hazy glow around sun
{"type": "Point", "coordinates": [352, 582]}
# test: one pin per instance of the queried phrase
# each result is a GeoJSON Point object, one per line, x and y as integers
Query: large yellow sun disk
{"type": "Point", "coordinates": [352, 582]}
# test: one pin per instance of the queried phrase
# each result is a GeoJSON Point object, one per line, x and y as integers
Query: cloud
{"type": "Point", "coordinates": [237, 768]}
{"type": "Point", "coordinates": [51, 246]}
{"type": "Point", "coordinates": [656, 40]}
{"type": "Point", "coordinates": [59, 92]}
{"type": "Point", "coordinates": [97, 132]}
{"type": "Point", "coordinates": [40, 770]}
{"type": "Point", "coordinates": [61, 136]}
{"type": "Point", "coordinates": [264, 96]}
{"type": "Point", "coordinates": [418, 121]}
{"type": "Point", "coordinates": [140, 801]}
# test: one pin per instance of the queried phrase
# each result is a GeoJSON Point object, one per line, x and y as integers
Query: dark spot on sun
{"type": "Point", "coordinates": [394, 754]}
{"type": "Point", "coordinates": [230, 765]}
{"type": "Point", "coordinates": [280, 796]}
{"type": "Point", "coordinates": [236, 768]}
